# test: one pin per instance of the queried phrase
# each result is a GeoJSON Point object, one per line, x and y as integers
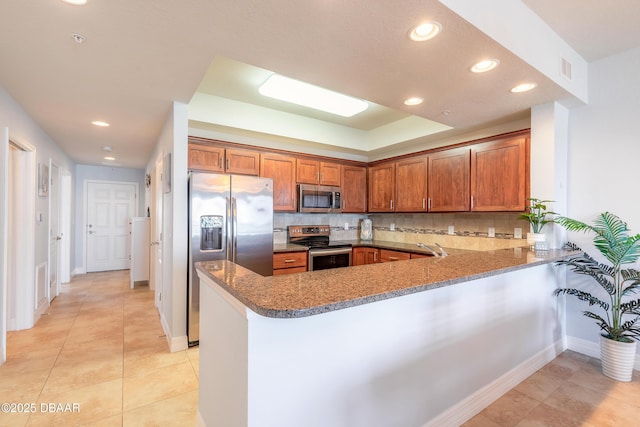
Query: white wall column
{"type": "Point", "coordinates": [549, 150]}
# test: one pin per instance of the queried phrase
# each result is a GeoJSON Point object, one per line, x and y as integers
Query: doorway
{"type": "Point", "coordinates": [18, 245]}
{"type": "Point", "coordinates": [54, 231]}
{"type": "Point", "coordinates": [110, 205]}
{"type": "Point", "coordinates": [156, 272]}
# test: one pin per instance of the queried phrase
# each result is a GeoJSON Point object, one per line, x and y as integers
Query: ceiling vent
{"type": "Point", "coordinates": [565, 69]}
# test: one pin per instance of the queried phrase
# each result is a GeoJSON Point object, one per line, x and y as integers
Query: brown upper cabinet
{"type": "Point", "coordinates": [448, 183]}
{"type": "Point", "coordinates": [354, 189]}
{"type": "Point", "coordinates": [206, 158]}
{"type": "Point", "coordinates": [382, 183]}
{"type": "Point", "coordinates": [436, 182]}
{"type": "Point", "coordinates": [282, 169]}
{"type": "Point", "coordinates": [411, 184]}
{"type": "Point", "coordinates": [499, 175]}
{"type": "Point", "coordinates": [317, 172]}
{"type": "Point", "coordinates": [218, 159]}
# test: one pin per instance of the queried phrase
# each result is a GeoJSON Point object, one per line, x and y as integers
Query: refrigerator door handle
{"type": "Point", "coordinates": [234, 213]}
{"type": "Point", "coordinates": [229, 232]}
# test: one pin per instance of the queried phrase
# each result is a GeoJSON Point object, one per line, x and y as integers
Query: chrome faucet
{"type": "Point", "coordinates": [428, 249]}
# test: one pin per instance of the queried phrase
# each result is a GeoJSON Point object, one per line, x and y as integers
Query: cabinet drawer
{"type": "Point", "coordinates": [415, 255]}
{"type": "Point", "coordinates": [289, 270]}
{"type": "Point", "coordinates": [290, 260]}
{"type": "Point", "coordinates": [389, 256]}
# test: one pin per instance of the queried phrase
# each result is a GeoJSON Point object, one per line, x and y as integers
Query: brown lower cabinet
{"type": "Point", "coordinates": [289, 262]}
{"type": "Point", "coordinates": [364, 255]}
{"type": "Point", "coordinates": [387, 255]}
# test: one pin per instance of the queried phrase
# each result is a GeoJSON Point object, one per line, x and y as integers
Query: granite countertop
{"type": "Point", "coordinates": [288, 247]}
{"type": "Point", "coordinates": [403, 247]}
{"type": "Point", "coordinates": [316, 292]}
{"type": "Point", "coordinates": [381, 244]}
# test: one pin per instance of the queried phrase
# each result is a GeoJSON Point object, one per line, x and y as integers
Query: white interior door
{"type": "Point", "coordinates": [109, 207]}
{"type": "Point", "coordinates": [54, 231]}
{"type": "Point", "coordinates": [156, 232]}
{"type": "Point", "coordinates": [65, 226]}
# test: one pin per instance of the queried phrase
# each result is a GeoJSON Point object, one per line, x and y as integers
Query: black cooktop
{"type": "Point", "coordinates": [314, 236]}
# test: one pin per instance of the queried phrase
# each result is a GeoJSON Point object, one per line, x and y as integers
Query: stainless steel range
{"type": "Point", "coordinates": [324, 253]}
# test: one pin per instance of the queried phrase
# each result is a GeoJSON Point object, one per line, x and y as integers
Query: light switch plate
{"type": "Point", "coordinates": [492, 232]}
{"type": "Point", "coordinates": [517, 233]}
{"type": "Point", "coordinates": [451, 229]}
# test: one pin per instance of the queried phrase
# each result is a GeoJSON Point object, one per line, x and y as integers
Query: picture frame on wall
{"type": "Point", "coordinates": [43, 180]}
{"type": "Point", "coordinates": [166, 174]}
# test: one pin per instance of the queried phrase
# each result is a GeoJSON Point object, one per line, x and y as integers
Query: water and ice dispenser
{"type": "Point", "coordinates": [211, 232]}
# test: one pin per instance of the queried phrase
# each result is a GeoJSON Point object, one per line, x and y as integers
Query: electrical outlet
{"type": "Point", "coordinates": [392, 226]}
{"type": "Point", "coordinates": [492, 232]}
{"type": "Point", "coordinates": [451, 229]}
{"type": "Point", "coordinates": [517, 233]}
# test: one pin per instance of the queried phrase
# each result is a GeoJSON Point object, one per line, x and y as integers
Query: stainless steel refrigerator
{"type": "Point", "coordinates": [230, 218]}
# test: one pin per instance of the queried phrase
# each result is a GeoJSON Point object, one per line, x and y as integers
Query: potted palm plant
{"type": "Point", "coordinates": [538, 217]}
{"type": "Point", "coordinates": [619, 320]}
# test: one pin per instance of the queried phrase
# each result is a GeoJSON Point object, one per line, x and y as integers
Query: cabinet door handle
{"type": "Point", "coordinates": [375, 257]}
{"type": "Point", "coordinates": [228, 164]}
{"type": "Point", "coordinates": [471, 202]}
{"type": "Point", "coordinates": [424, 204]}
{"type": "Point", "coordinates": [391, 203]}
{"type": "Point", "coordinates": [393, 258]}
{"type": "Point", "coordinates": [429, 203]}
{"type": "Point", "coordinates": [289, 260]}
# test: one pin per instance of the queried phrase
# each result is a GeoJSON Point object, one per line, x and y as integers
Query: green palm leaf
{"type": "Point", "coordinates": [614, 243]}
{"type": "Point", "coordinates": [582, 296]}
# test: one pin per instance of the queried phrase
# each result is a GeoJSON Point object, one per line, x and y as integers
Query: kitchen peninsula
{"type": "Point", "coordinates": [422, 342]}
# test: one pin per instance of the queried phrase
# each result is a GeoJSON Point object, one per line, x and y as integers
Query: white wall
{"type": "Point", "coordinates": [604, 149]}
{"type": "Point", "coordinates": [99, 173]}
{"type": "Point", "coordinates": [25, 132]}
{"type": "Point", "coordinates": [432, 358]}
{"type": "Point", "coordinates": [173, 142]}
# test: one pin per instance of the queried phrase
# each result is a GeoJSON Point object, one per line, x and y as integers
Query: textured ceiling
{"type": "Point", "coordinates": [141, 55]}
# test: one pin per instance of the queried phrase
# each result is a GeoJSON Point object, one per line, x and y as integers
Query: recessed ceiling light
{"type": "Point", "coordinates": [485, 65]}
{"type": "Point", "coordinates": [106, 148]}
{"type": "Point", "coordinates": [109, 158]}
{"type": "Point", "coordinates": [524, 87]}
{"type": "Point", "coordinates": [425, 31]}
{"type": "Point", "coordinates": [100, 123]}
{"type": "Point", "coordinates": [78, 38]}
{"type": "Point", "coordinates": [76, 2]}
{"type": "Point", "coordinates": [413, 101]}
{"type": "Point", "coordinates": [308, 95]}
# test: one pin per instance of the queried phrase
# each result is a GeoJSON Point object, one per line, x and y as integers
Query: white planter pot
{"type": "Point", "coordinates": [617, 358]}
{"type": "Point", "coordinates": [538, 241]}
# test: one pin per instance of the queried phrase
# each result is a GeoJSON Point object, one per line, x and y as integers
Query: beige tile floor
{"type": "Point", "coordinates": [100, 346]}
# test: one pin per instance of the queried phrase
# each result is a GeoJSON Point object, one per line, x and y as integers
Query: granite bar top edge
{"type": "Point", "coordinates": [247, 287]}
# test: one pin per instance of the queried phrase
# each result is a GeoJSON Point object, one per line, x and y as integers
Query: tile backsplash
{"type": "Point", "coordinates": [470, 230]}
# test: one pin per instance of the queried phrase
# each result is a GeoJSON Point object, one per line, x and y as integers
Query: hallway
{"type": "Point", "coordinates": [101, 347]}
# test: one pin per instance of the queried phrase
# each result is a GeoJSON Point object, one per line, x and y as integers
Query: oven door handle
{"type": "Point", "coordinates": [329, 251]}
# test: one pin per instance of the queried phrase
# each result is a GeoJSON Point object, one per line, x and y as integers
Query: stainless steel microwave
{"type": "Point", "coordinates": [319, 199]}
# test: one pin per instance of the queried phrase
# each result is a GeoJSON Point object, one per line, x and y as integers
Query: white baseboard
{"type": "Point", "coordinates": [178, 343]}
{"type": "Point", "coordinates": [474, 404]}
{"type": "Point", "coordinates": [78, 270]}
{"type": "Point", "coordinates": [592, 349]}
